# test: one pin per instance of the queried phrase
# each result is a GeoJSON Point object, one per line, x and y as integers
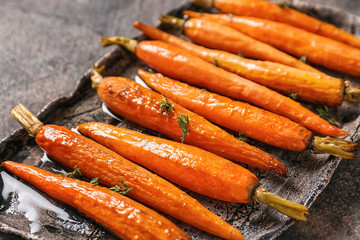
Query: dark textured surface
{"type": "Point", "coordinates": [47, 46]}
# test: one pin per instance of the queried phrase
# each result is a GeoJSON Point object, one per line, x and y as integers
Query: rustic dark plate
{"type": "Point", "coordinates": [30, 214]}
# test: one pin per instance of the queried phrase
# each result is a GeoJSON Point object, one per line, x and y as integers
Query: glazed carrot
{"type": "Point", "coordinates": [206, 173]}
{"type": "Point", "coordinates": [309, 86]}
{"type": "Point", "coordinates": [272, 11]}
{"type": "Point", "coordinates": [123, 216]}
{"type": "Point", "coordinates": [182, 65]}
{"type": "Point", "coordinates": [94, 160]}
{"type": "Point", "coordinates": [219, 36]}
{"type": "Point", "coordinates": [129, 99]}
{"type": "Point", "coordinates": [317, 49]}
{"type": "Point", "coordinates": [241, 117]}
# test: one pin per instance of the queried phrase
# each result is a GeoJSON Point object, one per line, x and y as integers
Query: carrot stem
{"type": "Point", "coordinates": [173, 21]}
{"type": "Point", "coordinates": [26, 119]}
{"type": "Point", "coordinates": [96, 75]}
{"type": "Point", "coordinates": [128, 43]}
{"type": "Point", "coordinates": [203, 3]}
{"type": "Point", "coordinates": [352, 94]}
{"type": "Point", "coordinates": [337, 147]}
{"type": "Point", "coordinates": [293, 210]}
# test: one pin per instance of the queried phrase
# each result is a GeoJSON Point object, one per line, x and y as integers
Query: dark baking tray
{"type": "Point", "coordinates": [50, 219]}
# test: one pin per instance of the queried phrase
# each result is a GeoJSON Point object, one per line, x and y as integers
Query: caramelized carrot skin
{"type": "Point", "coordinates": [218, 36]}
{"type": "Point", "coordinates": [142, 106]}
{"type": "Point", "coordinates": [95, 160]}
{"type": "Point", "coordinates": [201, 171]}
{"type": "Point", "coordinates": [317, 49]}
{"type": "Point", "coordinates": [241, 117]}
{"type": "Point", "coordinates": [182, 65]}
{"type": "Point", "coordinates": [309, 86]}
{"type": "Point", "coordinates": [123, 216]}
{"type": "Point", "coordinates": [271, 11]}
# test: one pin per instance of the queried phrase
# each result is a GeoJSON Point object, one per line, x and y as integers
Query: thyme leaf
{"type": "Point", "coordinates": [282, 4]}
{"type": "Point", "coordinates": [183, 121]}
{"type": "Point", "coordinates": [203, 89]}
{"type": "Point", "coordinates": [240, 54]}
{"type": "Point", "coordinates": [72, 174]}
{"type": "Point", "coordinates": [165, 107]}
{"type": "Point", "coordinates": [94, 181]}
{"type": "Point", "coordinates": [324, 113]}
{"type": "Point", "coordinates": [3, 207]}
{"type": "Point", "coordinates": [122, 190]}
{"type": "Point", "coordinates": [242, 137]}
{"type": "Point", "coordinates": [293, 95]}
{"type": "Point", "coordinates": [216, 63]}
{"type": "Point", "coordinates": [302, 59]}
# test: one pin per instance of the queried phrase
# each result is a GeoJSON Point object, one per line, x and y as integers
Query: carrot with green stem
{"type": "Point", "coordinates": [96, 161]}
{"type": "Point", "coordinates": [241, 117]}
{"type": "Point", "coordinates": [123, 216]}
{"type": "Point", "coordinates": [309, 86]}
{"type": "Point", "coordinates": [219, 36]}
{"type": "Point", "coordinates": [204, 172]}
{"type": "Point", "coordinates": [182, 65]}
{"type": "Point", "coordinates": [281, 13]}
{"type": "Point", "coordinates": [147, 108]}
{"type": "Point", "coordinates": [298, 42]}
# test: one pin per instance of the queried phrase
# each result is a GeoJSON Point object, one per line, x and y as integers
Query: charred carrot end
{"type": "Point", "coordinates": [337, 147]}
{"type": "Point", "coordinates": [26, 119]}
{"type": "Point", "coordinates": [173, 21]}
{"type": "Point", "coordinates": [293, 210]}
{"type": "Point", "coordinates": [128, 43]}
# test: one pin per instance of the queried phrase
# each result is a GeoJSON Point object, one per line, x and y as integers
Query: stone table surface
{"type": "Point", "coordinates": [46, 46]}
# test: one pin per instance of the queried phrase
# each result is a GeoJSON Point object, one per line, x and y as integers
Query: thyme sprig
{"type": "Point", "coordinates": [242, 137]}
{"type": "Point", "coordinates": [293, 95]}
{"type": "Point", "coordinates": [122, 190]}
{"type": "Point", "coordinates": [302, 59]}
{"type": "Point", "coordinates": [240, 54]}
{"type": "Point", "coordinates": [282, 4]}
{"type": "Point", "coordinates": [94, 181]}
{"type": "Point", "coordinates": [216, 63]}
{"type": "Point", "coordinates": [72, 174]}
{"type": "Point", "coordinates": [183, 121]}
{"type": "Point", "coordinates": [165, 107]}
{"type": "Point", "coordinates": [324, 113]}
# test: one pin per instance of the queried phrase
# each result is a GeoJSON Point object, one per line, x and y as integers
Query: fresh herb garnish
{"type": "Point", "coordinates": [72, 174]}
{"type": "Point", "coordinates": [203, 90]}
{"type": "Point", "coordinates": [240, 54]}
{"type": "Point", "coordinates": [122, 190]}
{"type": "Point", "coordinates": [3, 207]}
{"type": "Point", "coordinates": [183, 121]}
{"type": "Point", "coordinates": [324, 113]}
{"type": "Point", "coordinates": [94, 181]}
{"type": "Point", "coordinates": [183, 193]}
{"type": "Point", "coordinates": [165, 107]}
{"type": "Point", "coordinates": [293, 95]}
{"type": "Point", "coordinates": [282, 4]}
{"type": "Point", "coordinates": [216, 63]}
{"type": "Point", "coordinates": [302, 59]}
{"type": "Point", "coordinates": [242, 137]}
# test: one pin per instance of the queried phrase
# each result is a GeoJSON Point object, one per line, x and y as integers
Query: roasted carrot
{"type": "Point", "coordinates": [206, 173]}
{"type": "Point", "coordinates": [182, 65]}
{"type": "Point", "coordinates": [272, 11]}
{"type": "Point", "coordinates": [317, 49]}
{"type": "Point", "coordinates": [123, 216]}
{"type": "Point", "coordinates": [94, 160]}
{"type": "Point", "coordinates": [218, 36]}
{"type": "Point", "coordinates": [309, 86]}
{"type": "Point", "coordinates": [241, 117]}
{"type": "Point", "coordinates": [129, 99]}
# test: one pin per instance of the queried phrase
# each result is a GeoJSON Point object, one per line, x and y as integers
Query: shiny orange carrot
{"type": "Point", "coordinates": [309, 86]}
{"type": "Point", "coordinates": [275, 12]}
{"type": "Point", "coordinates": [241, 117]}
{"type": "Point", "coordinates": [317, 49]}
{"type": "Point", "coordinates": [182, 65]}
{"type": "Point", "coordinates": [151, 110]}
{"type": "Point", "coordinates": [94, 160]}
{"type": "Point", "coordinates": [123, 216]}
{"type": "Point", "coordinates": [219, 36]}
{"type": "Point", "coordinates": [201, 171]}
